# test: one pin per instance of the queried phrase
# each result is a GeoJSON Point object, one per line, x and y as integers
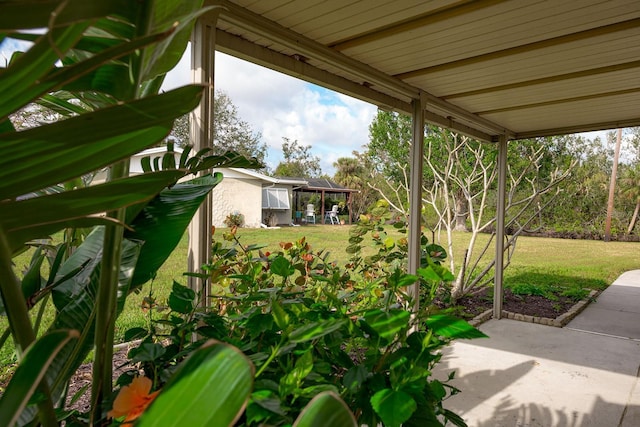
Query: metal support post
{"type": "Point", "coordinates": [201, 131]}
{"type": "Point", "coordinates": [498, 291]}
{"type": "Point", "coordinates": [415, 195]}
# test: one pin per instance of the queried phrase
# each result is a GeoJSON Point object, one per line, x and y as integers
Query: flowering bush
{"type": "Point", "coordinates": [311, 326]}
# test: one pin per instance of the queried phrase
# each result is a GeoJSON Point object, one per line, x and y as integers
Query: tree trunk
{"type": "Point", "coordinates": [462, 211]}
{"type": "Point", "coordinates": [632, 223]}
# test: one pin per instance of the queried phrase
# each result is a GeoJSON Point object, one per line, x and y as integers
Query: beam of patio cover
{"type": "Point", "coordinates": [256, 24]}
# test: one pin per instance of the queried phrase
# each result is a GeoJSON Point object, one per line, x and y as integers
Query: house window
{"type": "Point", "coordinates": [275, 198]}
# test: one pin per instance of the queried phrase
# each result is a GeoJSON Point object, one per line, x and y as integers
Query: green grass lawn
{"type": "Point", "coordinates": [538, 262]}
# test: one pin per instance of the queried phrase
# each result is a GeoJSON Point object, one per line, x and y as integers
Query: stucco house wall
{"type": "Point", "coordinates": [241, 191]}
{"type": "Point", "coordinates": [237, 194]}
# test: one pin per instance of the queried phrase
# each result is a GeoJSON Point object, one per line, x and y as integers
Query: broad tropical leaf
{"type": "Point", "coordinates": [212, 387]}
{"type": "Point", "coordinates": [38, 217]}
{"type": "Point", "coordinates": [452, 327]}
{"type": "Point", "coordinates": [393, 406]}
{"type": "Point", "coordinates": [75, 302]}
{"type": "Point", "coordinates": [16, 81]}
{"type": "Point", "coordinates": [30, 372]}
{"type": "Point", "coordinates": [13, 16]}
{"type": "Point", "coordinates": [163, 222]}
{"type": "Point", "coordinates": [47, 155]}
{"type": "Point", "coordinates": [326, 409]}
{"type": "Point", "coordinates": [387, 324]}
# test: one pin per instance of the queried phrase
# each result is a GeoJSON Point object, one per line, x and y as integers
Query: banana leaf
{"type": "Point", "coordinates": [28, 375]}
{"type": "Point", "coordinates": [163, 222]}
{"type": "Point", "coordinates": [168, 214]}
{"type": "Point", "coordinates": [38, 217]}
{"type": "Point", "coordinates": [75, 301]}
{"type": "Point", "coordinates": [211, 387]}
{"type": "Point", "coordinates": [47, 155]}
{"type": "Point", "coordinates": [13, 16]}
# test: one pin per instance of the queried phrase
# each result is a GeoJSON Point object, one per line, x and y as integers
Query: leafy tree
{"type": "Point", "coordinates": [389, 142]}
{"type": "Point", "coordinates": [298, 161]}
{"type": "Point", "coordinates": [230, 132]}
{"type": "Point", "coordinates": [581, 206]}
{"type": "Point", "coordinates": [353, 172]}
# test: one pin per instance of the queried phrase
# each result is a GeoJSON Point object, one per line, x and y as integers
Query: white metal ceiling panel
{"type": "Point", "coordinates": [497, 66]}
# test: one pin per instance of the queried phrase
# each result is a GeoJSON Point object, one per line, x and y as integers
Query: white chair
{"type": "Point", "coordinates": [332, 215]}
{"type": "Point", "coordinates": [310, 214]}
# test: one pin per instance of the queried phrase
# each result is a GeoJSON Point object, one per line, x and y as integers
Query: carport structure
{"type": "Point", "coordinates": [496, 70]}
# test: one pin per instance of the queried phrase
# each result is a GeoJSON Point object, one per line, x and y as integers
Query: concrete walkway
{"type": "Point", "coordinates": [527, 375]}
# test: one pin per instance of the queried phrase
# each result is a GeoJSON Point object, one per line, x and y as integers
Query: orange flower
{"type": "Point", "coordinates": [132, 400]}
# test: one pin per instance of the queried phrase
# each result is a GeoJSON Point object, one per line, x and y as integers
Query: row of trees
{"type": "Point", "coordinates": [573, 170]}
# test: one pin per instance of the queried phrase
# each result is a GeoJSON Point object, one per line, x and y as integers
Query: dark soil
{"type": "Point", "coordinates": [532, 305]}
{"type": "Point", "coordinates": [82, 379]}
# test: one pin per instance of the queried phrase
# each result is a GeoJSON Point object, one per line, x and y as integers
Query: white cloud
{"type": "Point", "coordinates": [278, 106]}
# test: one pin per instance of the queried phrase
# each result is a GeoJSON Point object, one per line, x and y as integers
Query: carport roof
{"type": "Point", "coordinates": [520, 68]}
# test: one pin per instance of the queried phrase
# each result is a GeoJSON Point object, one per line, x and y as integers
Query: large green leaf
{"type": "Point", "coordinates": [386, 324]}
{"type": "Point", "coordinates": [393, 406]}
{"type": "Point", "coordinates": [452, 327]}
{"type": "Point", "coordinates": [93, 73]}
{"type": "Point", "coordinates": [326, 409]}
{"type": "Point", "coordinates": [75, 301]}
{"type": "Point", "coordinates": [162, 223]}
{"type": "Point", "coordinates": [212, 387]}
{"type": "Point", "coordinates": [47, 155]}
{"type": "Point", "coordinates": [30, 372]}
{"type": "Point", "coordinates": [315, 330]}
{"type": "Point", "coordinates": [17, 80]}
{"type": "Point", "coordinates": [164, 16]}
{"type": "Point", "coordinates": [282, 267]}
{"type": "Point", "coordinates": [38, 217]}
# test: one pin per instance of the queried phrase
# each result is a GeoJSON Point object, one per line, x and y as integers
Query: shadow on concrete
{"type": "Point", "coordinates": [528, 375]}
{"type": "Point", "coordinates": [576, 347]}
{"type": "Point", "coordinates": [479, 386]}
{"type": "Point", "coordinates": [513, 414]}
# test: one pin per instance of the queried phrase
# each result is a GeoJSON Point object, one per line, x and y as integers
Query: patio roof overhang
{"type": "Point", "coordinates": [496, 70]}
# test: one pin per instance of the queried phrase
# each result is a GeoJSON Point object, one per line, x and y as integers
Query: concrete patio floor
{"type": "Point", "coordinates": [531, 375]}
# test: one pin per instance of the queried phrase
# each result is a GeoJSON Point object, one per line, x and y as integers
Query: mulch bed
{"type": "Point", "coordinates": [532, 305]}
{"type": "Point", "coordinates": [82, 378]}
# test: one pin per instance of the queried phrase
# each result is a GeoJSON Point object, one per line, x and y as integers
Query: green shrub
{"type": "Point", "coordinates": [311, 326]}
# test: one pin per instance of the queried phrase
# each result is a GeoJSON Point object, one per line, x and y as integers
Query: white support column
{"type": "Point", "coordinates": [415, 195]}
{"type": "Point", "coordinates": [201, 131]}
{"type": "Point", "coordinates": [498, 291]}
